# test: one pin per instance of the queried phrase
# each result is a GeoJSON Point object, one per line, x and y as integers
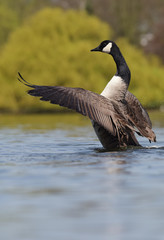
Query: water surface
{"type": "Point", "coordinates": [56, 184]}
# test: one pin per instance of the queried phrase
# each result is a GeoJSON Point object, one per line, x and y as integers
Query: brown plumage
{"type": "Point", "coordinates": [116, 114]}
{"type": "Point", "coordinates": [105, 113]}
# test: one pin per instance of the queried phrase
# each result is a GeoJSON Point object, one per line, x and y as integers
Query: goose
{"type": "Point", "coordinates": [116, 114]}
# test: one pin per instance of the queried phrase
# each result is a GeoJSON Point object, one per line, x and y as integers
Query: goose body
{"type": "Point", "coordinates": [116, 114]}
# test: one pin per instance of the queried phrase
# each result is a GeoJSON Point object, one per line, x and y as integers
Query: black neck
{"type": "Point", "coordinates": [122, 67]}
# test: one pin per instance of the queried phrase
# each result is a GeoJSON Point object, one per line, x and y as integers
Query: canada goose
{"type": "Point", "coordinates": [116, 114]}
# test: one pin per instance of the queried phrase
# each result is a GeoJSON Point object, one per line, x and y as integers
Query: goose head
{"type": "Point", "coordinates": [106, 46]}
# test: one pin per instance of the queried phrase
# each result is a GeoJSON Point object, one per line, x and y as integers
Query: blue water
{"type": "Point", "coordinates": [55, 183]}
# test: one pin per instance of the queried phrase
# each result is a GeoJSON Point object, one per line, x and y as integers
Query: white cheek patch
{"type": "Point", "coordinates": [107, 48]}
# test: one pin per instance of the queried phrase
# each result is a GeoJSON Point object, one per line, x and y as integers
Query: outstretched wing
{"type": "Point", "coordinates": [139, 117]}
{"type": "Point", "coordinates": [96, 107]}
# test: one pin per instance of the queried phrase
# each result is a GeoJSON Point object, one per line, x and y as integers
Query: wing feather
{"type": "Point", "coordinates": [95, 106]}
{"type": "Point", "coordinates": [138, 116]}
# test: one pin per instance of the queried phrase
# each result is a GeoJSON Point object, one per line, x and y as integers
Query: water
{"type": "Point", "coordinates": [55, 183]}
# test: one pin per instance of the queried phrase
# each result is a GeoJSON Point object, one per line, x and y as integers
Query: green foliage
{"type": "Point", "coordinates": [8, 23]}
{"type": "Point", "coordinates": [147, 75]}
{"type": "Point", "coordinates": [53, 48]}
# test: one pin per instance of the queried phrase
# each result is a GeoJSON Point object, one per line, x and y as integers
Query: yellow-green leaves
{"type": "Point", "coordinates": [53, 48]}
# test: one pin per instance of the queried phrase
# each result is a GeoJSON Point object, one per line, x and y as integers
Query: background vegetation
{"type": "Point", "coordinates": [51, 46]}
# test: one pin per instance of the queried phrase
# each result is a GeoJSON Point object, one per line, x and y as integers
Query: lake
{"type": "Point", "coordinates": [57, 183]}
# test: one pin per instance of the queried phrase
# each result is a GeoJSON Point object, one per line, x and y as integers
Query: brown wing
{"type": "Point", "coordinates": [96, 107]}
{"type": "Point", "coordinates": [139, 117]}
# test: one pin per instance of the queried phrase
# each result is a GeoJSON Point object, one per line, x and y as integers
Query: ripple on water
{"type": "Point", "coordinates": [57, 183]}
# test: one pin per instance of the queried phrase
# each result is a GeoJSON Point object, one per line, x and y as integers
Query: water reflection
{"type": "Point", "coordinates": [56, 185]}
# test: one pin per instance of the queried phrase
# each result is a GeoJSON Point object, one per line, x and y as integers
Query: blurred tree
{"type": "Point", "coordinates": [156, 44]}
{"type": "Point", "coordinates": [53, 47]}
{"type": "Point", "coordinates": [128, 18]}
{"type": "Point", "coordinates": [137, 20]}
{"type": "Point", "coordinates": [146, 73]}
{"type": "Point", "coordinates": [24, 8]}
{"type": "Point", "coordinates": [8, 23]}
{"type": "Point", "coordinates": [89, 7]}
